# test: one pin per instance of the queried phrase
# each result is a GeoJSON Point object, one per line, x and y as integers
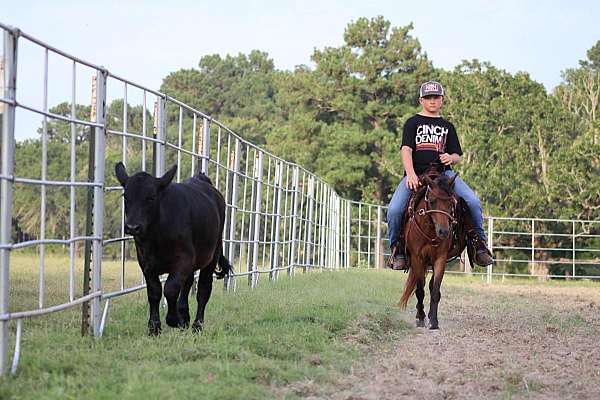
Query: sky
{"type": "Point", "coordinates": [146, 40]}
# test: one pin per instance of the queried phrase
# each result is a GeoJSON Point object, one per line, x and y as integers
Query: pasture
{"type": "Point", "coordinates": [320, 335]}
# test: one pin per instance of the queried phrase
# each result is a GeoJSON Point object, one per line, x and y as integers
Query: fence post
{"type": "Point", "coordinates": [308, 243]}
{"type": "Point", "coordinates": [275, 246]}
{"type": "Point", "coordinates": [532, 247]}
{"type": "Point", "coordinates": [327, 228]}
{"type": "Point", "coordinates": [194, 141]}
{"type": "Point", "coordinates": [161, 125]}
{"type": "Point", "coordinates": [378, 246]}
{"type": "Point", "coordinates": [258, 170]}
{"type": "Point", "coordinates": [98, 197]}
{"type": "Point", "coordinates": [369, 220]}
{"type": "Point", "coordinates": [179, 143]}
{"type": "Point", "coordinates": [338, 232]}
{"type": "Point", "coordinates": [573, 243]}
{"type": "Point", "coordinates": [359, 233]}
{"type": "Point", "coordinates": [44, 176]}
{"type": "Point", "coordinates": [6, 186]}
{"type": "Point", "coordinates": [295, 193]}
{"type": "Point", "coordinates": [321, 225]}
{"type": "Point", "coordinates": [205, 145]}
{"type": "Point", "coordinates": [234, 198]}
{"type": "Point", "coordinates": [348, 232]}
{"type": "Point", "coordinates": [490, 246]}
{"type": "Point", "coordinates": [72, 191]}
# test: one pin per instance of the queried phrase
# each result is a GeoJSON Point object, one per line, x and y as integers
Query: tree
{"type": "Point", "coordinates": [350, 109]}
{"type": "Point", "coordinates": [514, 137]}
{"type": "Point", "coordinates": [579, 95]}
{"type": "Point", "coordinates": [593, 55]}
{"type": "Point", "coordinates": [238, 91]}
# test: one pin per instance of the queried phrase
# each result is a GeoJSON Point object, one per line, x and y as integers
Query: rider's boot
{"type": "Point", "coordinates": [482, 255]}
{"type": "Point", "coordinates": [476, 247]}
{"type": "Point", "coordinates": [398, 257]}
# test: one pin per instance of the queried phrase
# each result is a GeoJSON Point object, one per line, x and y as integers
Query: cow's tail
{"type": "Point", "coordinates": [225, 267]}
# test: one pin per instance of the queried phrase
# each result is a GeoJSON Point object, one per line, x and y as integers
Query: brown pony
{"type": "Point", "coordinates": [433, 235]}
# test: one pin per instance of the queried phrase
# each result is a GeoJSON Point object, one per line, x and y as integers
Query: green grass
{"type": "Point", "coordinates": [310, 328]}
{"type": "Point", "coordinates": [286, 331]}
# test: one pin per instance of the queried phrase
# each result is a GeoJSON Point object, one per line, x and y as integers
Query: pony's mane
{"type": "Point", "coordinates": [444, 183]}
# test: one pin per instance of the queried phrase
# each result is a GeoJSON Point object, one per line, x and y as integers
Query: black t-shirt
{"type": "Point", "coordinates": [428, 137]}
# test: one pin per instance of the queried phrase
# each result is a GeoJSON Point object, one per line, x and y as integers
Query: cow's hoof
{"type": "Point", "coordinates": [184, 324]}
{"type": "Point", "coordinates": [434, 327]}
{"type": "Point", "coordinates": [197, 326]}
{"type": "Point", "coordinates": [173, 322]}
{"type": "Point", "coordinates": [154, 328]}
{"type": "Point", "coordinates": [420, 323]}
{"type": "Point", "coordinates": [184, 314]}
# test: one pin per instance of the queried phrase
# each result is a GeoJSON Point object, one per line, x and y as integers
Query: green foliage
{"type": "Point", "coordinates": [527, 152]}
{"type": "Point", "coordinates": [593, 55]}
{"type": "Point", "coordinates": [237, 91]}
{"type": "Point", "coordinates": [349, 110]}
{"type": "Point", "coordinates": [512, 144]}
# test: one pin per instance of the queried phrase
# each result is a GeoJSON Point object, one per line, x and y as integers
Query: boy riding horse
{"type": "Point", "coordinates": [428, 137]}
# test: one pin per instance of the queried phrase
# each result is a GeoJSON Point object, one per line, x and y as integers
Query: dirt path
{"type": "Point", "coordinates": [499, 342]}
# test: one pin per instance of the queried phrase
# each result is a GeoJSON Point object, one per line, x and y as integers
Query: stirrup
{"type": "Point", "coordinates": [483, 256]}
{"type": "Point", "coordinates": [396, 261]}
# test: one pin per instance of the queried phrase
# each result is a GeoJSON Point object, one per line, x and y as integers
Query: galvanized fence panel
{"type": "Point", "coordinates": [35, 191]}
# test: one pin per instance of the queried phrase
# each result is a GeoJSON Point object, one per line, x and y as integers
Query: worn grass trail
{"type": "Point", "coordinates": [254, 342]}
{"type": "Point", "coordinates": [513, 340]}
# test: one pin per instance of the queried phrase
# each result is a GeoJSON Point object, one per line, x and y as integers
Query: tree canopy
{"type": "Point", "coordinates": [528, 152]}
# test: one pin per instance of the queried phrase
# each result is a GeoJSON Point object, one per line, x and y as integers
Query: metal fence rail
{"type": "Point", "coordinates": [279, 216]}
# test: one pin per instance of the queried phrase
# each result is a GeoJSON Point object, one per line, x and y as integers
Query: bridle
{"type": "Point", "coordinates": [426, 211]}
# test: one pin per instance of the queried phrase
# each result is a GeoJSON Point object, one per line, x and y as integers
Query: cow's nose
{"type": "Point", "coordinates": [132, 229]}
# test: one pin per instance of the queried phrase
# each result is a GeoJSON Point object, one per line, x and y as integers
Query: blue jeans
{"type": "Point", "coordinates": [400, 198]}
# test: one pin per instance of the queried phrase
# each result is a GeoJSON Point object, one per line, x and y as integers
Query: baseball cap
{"type": "Point", "coordinates": [431, 88]}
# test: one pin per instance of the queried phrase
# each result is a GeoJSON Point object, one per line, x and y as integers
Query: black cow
{"type": "Point", "coordinates": [178, 230]}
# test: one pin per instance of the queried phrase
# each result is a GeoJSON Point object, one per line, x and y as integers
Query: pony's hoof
{"type": "Point", "coordinates": [434, 327]}
{"type": "Point", "coordinates": [420, 323]}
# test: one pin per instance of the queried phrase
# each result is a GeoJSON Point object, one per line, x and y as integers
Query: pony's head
{"type": "Point", "coordinates": [440, 203]}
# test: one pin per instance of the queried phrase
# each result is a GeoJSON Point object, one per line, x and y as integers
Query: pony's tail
{"type": "Point", "coordinates": [225, 267]}
{"type": "Point", "coordinates": [411, 283]}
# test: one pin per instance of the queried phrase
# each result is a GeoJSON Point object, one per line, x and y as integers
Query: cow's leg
{"type": "Point", "coordinates": [154, 290]}
{"type": "Point", "coordinates": [420, 293]}
{"type": "Point", "coordinates": [182, 303]}
{"type": "Point", "coordinates": [205, 281]}
{"type": "Point", "coordinates": [435, 292]}
{"type": "Point", "coordinates": [173, 286]}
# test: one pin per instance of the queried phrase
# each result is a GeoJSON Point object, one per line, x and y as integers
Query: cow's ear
{"type": "Point", "coordinates": [164, 180]}
{"type": "Point", "coordinates": [121, 173]}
